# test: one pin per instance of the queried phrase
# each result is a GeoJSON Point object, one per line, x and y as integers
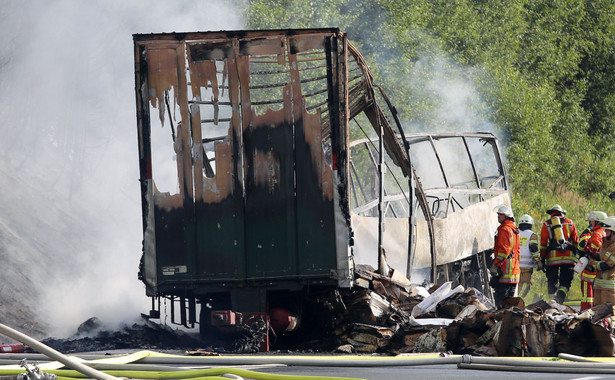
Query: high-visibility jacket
{"type": "Point", "coordinates": [592, 250]}
{"type": "Point", "coordinates": [506, 250]}
{"type": "Point", "coordinates": [592, 247]}
{"type": "Point", "coordinates": [584, 237]}
{"type": "Point", "coordinates": [588, 275]}
{"type": "Point", "coordinates": [528, 259]}
{"type": "Point", "coordinates": [605, 279]}
{"type": "Point", "coordinates": [547, 250]}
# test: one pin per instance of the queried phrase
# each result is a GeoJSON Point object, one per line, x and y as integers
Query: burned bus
{"type": "Point", "coordinates": [254, 196]}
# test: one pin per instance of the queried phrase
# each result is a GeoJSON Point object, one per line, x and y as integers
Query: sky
{"type": "Point", "coordinates": [70, 210]}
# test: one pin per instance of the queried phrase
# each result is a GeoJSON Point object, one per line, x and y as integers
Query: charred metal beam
{"type": "Point", "coordinates": [377, 118]}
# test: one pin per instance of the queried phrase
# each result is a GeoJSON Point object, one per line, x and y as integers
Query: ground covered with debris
{"type": "Point", "coordinates": [393, 318]}
{"type": "Point", "coordinates": [387, 317]}
{"type": "Point", "coordinates": [147, 335]}
{"type": "Point", "coordinates": [92, 336]}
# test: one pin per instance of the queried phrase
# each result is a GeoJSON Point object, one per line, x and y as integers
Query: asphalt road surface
{"type": "Point", "coordinates": [428, 372]}
{"type": "Point", "coordinates": [344, 367]}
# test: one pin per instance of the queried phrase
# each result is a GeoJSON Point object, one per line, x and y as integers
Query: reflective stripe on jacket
{"type": "Point", "coordinates": [506, 250]}
{"type": "Point", "coordinates": [555, 256]}
{"type": "Point", "coordinates": [584, 237]}
{"type": "Point", "coordinates": [606, 279]}
{"type": "Point", "coordinates": [595, 241]}
{"type": "Point", "coordinates": [588, 276]}
{"type": "Point", "coordinates": [527, 259]}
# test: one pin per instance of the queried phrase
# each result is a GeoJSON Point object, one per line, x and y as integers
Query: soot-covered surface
{"type": "Point", "coordinates": [146, 335]}
{"type": "Point", "coordinates": [141, 335]}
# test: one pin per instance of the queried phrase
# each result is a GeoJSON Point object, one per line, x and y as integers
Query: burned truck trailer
{"type": "Point", "coordinates": [254, 197]}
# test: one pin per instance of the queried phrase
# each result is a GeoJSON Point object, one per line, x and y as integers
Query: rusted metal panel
{"type": "Point", "coordinates": [170, 217]}
{"type": "Point", "coordinates": [315, 212]}
{"type": "Point", "coordinates": [263, 46]}
{"type": "Point", "coordinates": [218, 193]}
{"type": "Point", "coordinates": [303, 43]}
{"type": "Point", "coordinates": [270, 219]}
{"type": "Point", "coordinates": [210, 51]}
{"type": "Point", "coordinates": [270, 200]}
{"type": "Point", "coordinates": [162, 75]}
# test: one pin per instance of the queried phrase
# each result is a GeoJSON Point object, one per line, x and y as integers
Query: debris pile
{"type": "Point", "coordinates": [389, 316]}
{"type": "Point", "coordinates": [92, 336]}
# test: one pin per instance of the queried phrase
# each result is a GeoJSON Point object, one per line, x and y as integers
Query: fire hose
{"type": "Point", "coordinates": [151, 365]}
{"type": "Point", "coordinates": [117, 371]}
{"type": "Point", "coordinates": [580, 365]}
{"type": "Point", "coordinates": [69, 362]}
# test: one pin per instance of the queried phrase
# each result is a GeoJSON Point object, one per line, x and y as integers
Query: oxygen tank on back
{"type": "Point", "coordinates": [558, 233]}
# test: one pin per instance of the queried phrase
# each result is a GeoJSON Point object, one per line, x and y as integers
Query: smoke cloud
{"type": "Point", "coordinates": [448, 96]}
{"type": "Point", "coordinates": [70, 210]}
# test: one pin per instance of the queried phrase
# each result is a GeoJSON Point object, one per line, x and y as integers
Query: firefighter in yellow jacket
{"type": "Point", "coordinates": [604, 284]}
{"type": "Point", "coordinates": [506, 251]}
{"type": "Point", "coordinates": [558, 241]}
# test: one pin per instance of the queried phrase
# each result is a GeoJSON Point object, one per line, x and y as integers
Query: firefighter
{"type": "Point", "coordinates": [506, 249]}
{"type": "Point", "coordinates": [585, 235]}
{"type": "Point", "coordinates": [591, 250]}
{"type": "Point", "coordinates": [529, 257]}
{"type": "Point", "coordinates": [604, 284]}
{"type": "Point", "coordinates": [558, 241]}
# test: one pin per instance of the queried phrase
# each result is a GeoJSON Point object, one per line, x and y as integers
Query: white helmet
{"type": "Point", "coordinates": [597, 216]}
{"type": "Point", "coordinates": [525, 218]}
{"type": "Point", "coordinates": [556, 208]}
{"type": "Point", "coordinates": [504, 210]}
{"type": "Point", "coordinates": [609, 223]}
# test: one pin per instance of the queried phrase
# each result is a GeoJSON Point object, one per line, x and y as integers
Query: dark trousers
{"type": "Point", "coordinates": [559, 276]}
{"type": "Point", "coordinates": [503, 291]}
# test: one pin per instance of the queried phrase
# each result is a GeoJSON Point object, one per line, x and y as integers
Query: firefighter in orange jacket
{"type": "Point", "coordinates": [506, 251]}
{"type": "Point", "coordinates": [558, 241]}
{"type": "Point", "coordinates": [591, 250]}
{"type": "Point", "coordinates": [604, 284]}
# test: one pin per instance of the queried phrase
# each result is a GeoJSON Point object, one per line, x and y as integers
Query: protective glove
{"type": "Point", "coordinates": [603, 266]}
{"type": "Point", "coordinates": [493, 270]}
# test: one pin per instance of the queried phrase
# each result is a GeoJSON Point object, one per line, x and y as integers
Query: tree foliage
{"type": "Point", "coordinates": [539, 74]}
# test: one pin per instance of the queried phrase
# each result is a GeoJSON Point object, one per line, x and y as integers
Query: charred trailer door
{"type": "Point", "coordinates": [242, 150]}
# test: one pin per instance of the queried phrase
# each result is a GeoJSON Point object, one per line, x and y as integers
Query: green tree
{"type": "Point", "coordinates": [540, 74]}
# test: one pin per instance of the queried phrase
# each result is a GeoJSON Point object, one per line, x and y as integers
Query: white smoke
{"type": "Point", "coordinates": [70, 211]}
{"type": "Point", "coordinates": [448, 96]}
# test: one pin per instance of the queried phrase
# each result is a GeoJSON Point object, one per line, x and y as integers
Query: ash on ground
{"type": "Point", "coordinates": [91, 336]}
{"type": "Point", "coordinates": [147, 335]}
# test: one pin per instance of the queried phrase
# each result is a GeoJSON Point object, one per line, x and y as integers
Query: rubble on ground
{"type": "Point", "coordinates": [92, 336]}
{"type": "Point", "coordinates": [389, 317]}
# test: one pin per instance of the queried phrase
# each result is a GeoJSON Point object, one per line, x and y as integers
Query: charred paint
{"type": "Point", "coordinates": [207, 51]}
{"type": "Point", "coordinates": [267, 198]}
{"type": "Point", "coordinates": [162, 76]}
{"type": "Point", "coordinates": [262, 46]}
